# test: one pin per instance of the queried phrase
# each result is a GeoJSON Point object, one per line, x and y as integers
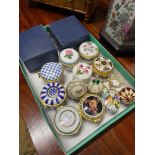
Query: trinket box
{"type": "Point", "coordinates": [69, 32]}
{"type": "Point", "coordinates": [69, 58]}
{"type": "Point", "coordinates": [52, 95]}
{"type": "Point", "coordinates": [67, 120]}
{"type": "Point", "coordinates": [76, 89]}
{"type": "Point", "coordinates": [127, 95]}
{"type": "Point", "coordinates": [112, 103]}
{"type": "Point", "coordinates": [51, 72]}
{"type": "Point", "coordinates": [82, 71]}
{"type": "Point", "coordinates": [91, 108]}
{"type": "Point", "coordinates": [36, 48]}
{"type": "Point", "coordinates": [88, 50]}
{"type": "Point", "coordinates": [102, 66]}
{"type": "Point", "coordinates": [95, 86]}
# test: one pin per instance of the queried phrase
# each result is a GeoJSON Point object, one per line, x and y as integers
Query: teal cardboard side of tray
{"type": "Point", "coordinates": [124, 73]}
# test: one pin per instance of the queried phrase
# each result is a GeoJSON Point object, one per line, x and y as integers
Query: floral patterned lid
{"type": "Point", "coordinates": [51, 71]}
{"type": "Point", "coordinates": [88, 50]}
{"type": "Point", "coordinates": [53, 94]}
{"type": "Point", "coordinates": [91, 107]}
{"type": "Point", "coordinates": [95, 86]}
{"type": "Point", "coordinates": [127, 95]}
{"type": "Point", "coordinates": [76, 89]}
{"type": "Point", "coordinates": [69, 56]}
{"type": "Point", "coordinates": [67, 120]}
{"type": "Point", "coordinates": [102, 65]}
{"type": "Point", "coordinates": [82, 71]}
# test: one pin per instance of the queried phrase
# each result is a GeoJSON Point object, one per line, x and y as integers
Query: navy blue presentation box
{"type": "Point", "coordinates": [69, 32]}
{"type": "Point", "coordinates": [36, 48]}
{"type": "Point", "coordinates": [37, 45]}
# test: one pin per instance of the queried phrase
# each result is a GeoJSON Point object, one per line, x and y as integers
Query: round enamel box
{"type": "Point", "coordinates": [82, 71]}
{"type": "Point", "coordinates": [127, 95]}
{"type": "Point", "coordinates": [95, 86]}
{"type": "Point", "coordinates": [88, 50]}
{"type": "Point", "coordinates": [92, 108]}
{"type": "Point", "coordinates": [102, 66]}
{"type": "Point", "coordinates": [53, 94]}
{"type": "Point", "coordinates": [51, 71]}
{"type": "Point", "coordinates": [76, 89]}
{"type": "Point", "coordinates": [67, 120]}
{"type": "Point", "coordinates": [69, 58]}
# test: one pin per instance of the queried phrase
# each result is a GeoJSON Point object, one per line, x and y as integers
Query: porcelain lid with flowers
{"type": "Point", "coordinates": [102, 65]}
{"type": "Point", "coordinates": [82, 71]}
{"type": "Point", "coordinates": [69, 56]}
{"type": "Point", "coordinates": [88, 50]}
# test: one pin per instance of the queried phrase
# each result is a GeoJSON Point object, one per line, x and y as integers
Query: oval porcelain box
{"type": "Point", "coordinates": [69, 58]}
{"type": "Point", "coordinates": [51, 72]}
{"type": "Point", "coordinates": [127, 95]}
{"type": "Point", "coordinates": [67, 120]}
{"type": "Point", "coordinates": [102, 66]}
{"type": "Point", "coordinates": [95, 86]}
{"type": "Point", "coordinates": [88, 50]}
{"type": "Point", "coordinates": [92, 108]}
{"type": "Point", "coordinates": [82, 71]}
{"type": "Point", "coordinates": [112, 103]}
{"type": "Point", "coordinates": [76, 89]}
{"type": "Point", "coordinates": [52, 95]}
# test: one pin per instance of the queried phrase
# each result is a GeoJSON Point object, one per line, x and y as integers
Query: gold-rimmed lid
{"type": "Point", "coordinates": [67, 120]}
{"type": "Point", "coordinates": [92, 108]}
{"type": "Point", "coordinates": [102, 66]}
{"type": "Point", "coordinates": [53, 94]}
{"type": "Point", "coordinates": [51, 72]}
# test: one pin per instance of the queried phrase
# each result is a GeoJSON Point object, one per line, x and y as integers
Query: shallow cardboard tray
{"type": "Point", "coordinates": [89, 130]}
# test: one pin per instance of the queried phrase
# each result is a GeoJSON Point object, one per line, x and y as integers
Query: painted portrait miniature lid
{"type": "Point", "coordinates": [76, 89]}
{"type": "Point", "coordinates": [95, 86]}
{"type": "Point", "coordinates": [92, 108]}
{"type": "Point", "coordinates": [53, 94]}
{"type": "Point", "coordinates": [112, 103]}
{"type": "Point", "coordinates": [102, 66]}
{"type": "Point", "coordinates": [88, 50]}
{"type": "Point", "coordinates": [69, 56]}
{"type": "Point", "coordinates": [67, 120]}
{"type": "Point", "coordinates": [51, 71]}
{"type": "Point", "coordinates": [127, 95]}
{"type": "Point", "coordinates": [82, 71]}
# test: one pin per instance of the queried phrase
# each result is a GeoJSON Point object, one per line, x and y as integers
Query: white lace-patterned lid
{"type": "Point", "coordinates": [88, 50]}
{"type": "Point", "coordinates": [67, 120]}
{"type": "Point", "coordinates": [82, 71]}
{"type": "Point", "coordinates": [69, 56]}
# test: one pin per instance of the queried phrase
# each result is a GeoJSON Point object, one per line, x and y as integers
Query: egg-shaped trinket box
{"type": "Point", "coordinates": [92, 108]}
{"type": "Point", "coordinates": [51, 72]}
{"type": "Point", "coordinates": [76, 89]}
{"type": "Point", "coordinates": [95, 86]}
{"type": "Point", "coordinates": [53, 94]}
{"type": "Point", "coordinates": [102, 66]}
{"type": "Point", "coordinates": [69, 58]}
{"type": "Point", "coordinates": [127, 95]}
{"type": "Point", "coordinates": [67, 120]}
{"type": "Point", "coordinates": [82, 71]}
{"type": "Point", "coordinates": [112, 103]}
{"type": "Point", "coordinates": [88, 50]}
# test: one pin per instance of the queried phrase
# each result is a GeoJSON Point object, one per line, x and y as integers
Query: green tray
{"type": "Point", "coordinates": [101, 128]}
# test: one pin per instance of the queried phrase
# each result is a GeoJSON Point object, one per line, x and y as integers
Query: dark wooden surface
{"type": "Point", "coordinates": [117, 140]}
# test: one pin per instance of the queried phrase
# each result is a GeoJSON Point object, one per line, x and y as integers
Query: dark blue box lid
{"type": "Point", "coordinates": [36, 48]}
{"type": "Point", "coordinates": [69, 32]}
